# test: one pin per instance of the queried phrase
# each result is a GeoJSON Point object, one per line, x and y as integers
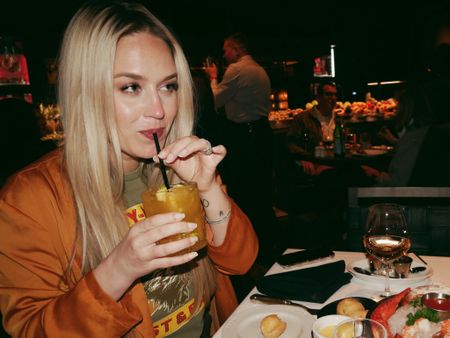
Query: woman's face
{"type": "Point", "coordinates": [145, 95]}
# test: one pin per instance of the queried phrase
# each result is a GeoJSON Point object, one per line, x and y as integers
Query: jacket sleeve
{"type": "Point", "coordinates": [36, 298]}
{"type": "Point", "coordinates": [239, 250]}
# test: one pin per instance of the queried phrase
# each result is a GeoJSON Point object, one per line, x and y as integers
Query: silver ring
{"type": "Point", "coordinates": [208, 151]}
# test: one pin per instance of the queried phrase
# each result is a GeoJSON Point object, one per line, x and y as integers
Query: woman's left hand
{"type": "Point", "coordinates": [193, 159]}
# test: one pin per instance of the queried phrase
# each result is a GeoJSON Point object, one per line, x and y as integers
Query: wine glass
{"type": "Point", "coordinates": [386, 236]}
{"type": "Point", "coordinates": [208, 62]}
{"type": "Point", "coordinates": [360, 328]}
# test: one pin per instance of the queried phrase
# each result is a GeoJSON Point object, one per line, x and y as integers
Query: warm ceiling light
{"type": "Point", "coordinates": [384, 83]}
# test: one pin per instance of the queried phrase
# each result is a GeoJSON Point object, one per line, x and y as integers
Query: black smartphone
{"type": "Point", "coordinates": [304, 256]}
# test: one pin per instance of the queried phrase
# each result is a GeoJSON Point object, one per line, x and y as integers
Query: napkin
{"type": "Point", "coordinates": [314, 284]}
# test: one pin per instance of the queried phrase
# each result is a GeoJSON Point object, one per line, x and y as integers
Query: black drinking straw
{"type": "Point", "coordinates": [161, 162]}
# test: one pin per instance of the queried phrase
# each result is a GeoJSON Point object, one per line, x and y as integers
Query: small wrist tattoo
{"type": "Point", "coordinates": [205, 203]}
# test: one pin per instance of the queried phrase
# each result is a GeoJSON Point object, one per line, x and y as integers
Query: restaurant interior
{"type": "Point", "coordinates": [372, 52]}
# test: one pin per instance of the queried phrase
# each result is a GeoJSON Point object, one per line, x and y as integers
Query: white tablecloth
{"type": "Point", "coordinates": [440, 266]}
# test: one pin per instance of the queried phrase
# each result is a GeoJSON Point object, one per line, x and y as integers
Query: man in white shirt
{"type": "Point", "coordinates": [244, 93]}
{"type": "Point", "coordinates": [245, 88]}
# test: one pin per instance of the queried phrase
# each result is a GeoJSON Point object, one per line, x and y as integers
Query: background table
{"type": "Point", "coordinates": [356, 288]}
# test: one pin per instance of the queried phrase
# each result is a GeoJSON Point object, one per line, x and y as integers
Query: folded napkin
{"type": "Point", "coordinates": [314, 284]}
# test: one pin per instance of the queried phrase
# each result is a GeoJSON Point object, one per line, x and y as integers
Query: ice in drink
{"type": "Point", "coordinates": [181, 197]}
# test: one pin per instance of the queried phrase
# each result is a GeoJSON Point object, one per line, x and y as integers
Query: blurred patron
{"type": "Point", "coordinates": [244, 92]}
{"type": "Point", "coordinates": [314, 127]}
{"type": "Point", "coordinates": [414, 121]}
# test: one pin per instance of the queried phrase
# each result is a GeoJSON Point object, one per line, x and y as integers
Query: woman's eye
{"type": "Point", "coordinates": [130, 88]}
{"type": "Point", "coordinates": [170, 87]}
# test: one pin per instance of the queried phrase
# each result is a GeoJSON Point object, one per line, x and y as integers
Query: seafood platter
{"type": "Point", "coordinates": [410, 313]}
{"type": "Point", "coordinates": [421, 312]}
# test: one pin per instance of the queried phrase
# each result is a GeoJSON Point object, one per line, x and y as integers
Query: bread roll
{"type": "Point", "coordinates": [272, 326]}
{"type": "Point", "coordinates": [352, 308]}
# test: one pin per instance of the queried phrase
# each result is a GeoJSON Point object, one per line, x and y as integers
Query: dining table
{"type": "Point", "coordinates": [375, 156]}
{"type": "Point", "coordinates": [437, 271]}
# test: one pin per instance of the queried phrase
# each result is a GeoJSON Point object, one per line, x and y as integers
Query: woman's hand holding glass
{"type": "Point", "coordinates": [138, 254]}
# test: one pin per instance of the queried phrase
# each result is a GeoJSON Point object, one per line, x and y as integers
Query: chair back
{"type": "Point", "coordinates": [432, 168]}
{"type": "Point", "coordinates": [427, 212]}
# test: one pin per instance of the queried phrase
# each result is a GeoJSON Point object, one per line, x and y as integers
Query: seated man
{"type": "Point", "coordinates": [314, 126]}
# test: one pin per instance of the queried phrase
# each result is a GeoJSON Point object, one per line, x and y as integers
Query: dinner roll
{"type": "Point", "coordinates": [272, 326]}
{"type": "Point", "coordinates": [352, 308]}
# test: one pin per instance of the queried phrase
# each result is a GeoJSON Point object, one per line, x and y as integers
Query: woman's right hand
{"type": "Point", "coordinates": [138, 254]}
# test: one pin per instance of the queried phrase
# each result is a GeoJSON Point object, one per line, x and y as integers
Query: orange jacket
{"type": "Point", "coordinates": [37, 299]}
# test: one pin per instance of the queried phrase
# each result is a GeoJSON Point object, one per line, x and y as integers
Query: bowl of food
{"type": "Point", "coordinates": [406, 315]}
{"type": "Point", "coordinates": [362, 327]}
{"type": "Point", "coordinates": [324, 326]}
{"type": "Point", "coordinates": [439, 302]}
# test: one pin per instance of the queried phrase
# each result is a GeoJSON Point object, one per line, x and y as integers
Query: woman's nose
{"type": "Point", "coordinates": [154, 107]}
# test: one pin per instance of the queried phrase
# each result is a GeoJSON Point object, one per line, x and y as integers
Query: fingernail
{"type": "Point", "coordinates": [192, 226]}
{"type": "Point", "coordinates": [183, 153]}
{"type": "Point", "coordinates": [192, 255]}
{"type": "Point", "coordinates": [179, 215]}
{"type": "Point", "coordinates": [193, 239]}
{"type": "Point", "coordinates": [170, 158]}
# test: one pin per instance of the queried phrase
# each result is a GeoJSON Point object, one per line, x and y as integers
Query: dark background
{"type": "Point", "coordinates": [376, 41]}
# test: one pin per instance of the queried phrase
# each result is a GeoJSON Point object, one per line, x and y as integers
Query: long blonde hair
{"type": "Point", "coordinates": [92, 150]}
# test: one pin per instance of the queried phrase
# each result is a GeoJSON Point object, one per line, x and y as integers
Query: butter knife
{"type": "Point", "coordinates": [256, 297]}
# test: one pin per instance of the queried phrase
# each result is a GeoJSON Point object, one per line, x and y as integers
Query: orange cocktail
{"type": "Point", "coordinates": [181, 197]}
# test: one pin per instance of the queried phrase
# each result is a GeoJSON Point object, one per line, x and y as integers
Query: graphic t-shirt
{"type": "Point", "coordinates": [170, 292]}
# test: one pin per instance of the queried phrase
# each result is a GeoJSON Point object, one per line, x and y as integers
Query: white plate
{"type": "Point", "coordinates": [411, 279]}
{"type": "Point", "coordinates": [245, 324]}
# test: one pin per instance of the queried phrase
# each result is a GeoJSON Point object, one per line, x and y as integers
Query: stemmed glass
{"type": "Point", "coordinates": [386, 236]}
{"type": "Point", "coordinates": [360, 328]}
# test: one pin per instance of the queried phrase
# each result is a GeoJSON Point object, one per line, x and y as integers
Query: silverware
{"type": "Point", "coordinates": [256, 297]}
{"type": "Point", "coordinates": [418, 269]}
{"type": "Point", "coordinates": [423, 261]}
{"type": "Point", "coordinates": [367, 272]}
{"type": "Point", "coordinates": [363, 271]}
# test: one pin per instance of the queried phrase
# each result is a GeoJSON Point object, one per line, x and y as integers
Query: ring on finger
{"type": "Point", "coordinates": [208, 151]}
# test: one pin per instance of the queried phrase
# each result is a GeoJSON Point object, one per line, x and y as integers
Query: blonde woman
{"type": "Point", "coordinates": [70, 265]}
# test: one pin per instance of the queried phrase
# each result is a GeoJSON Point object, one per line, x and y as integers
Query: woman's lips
{"type": "Point", "coordinates": [149, 133]}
